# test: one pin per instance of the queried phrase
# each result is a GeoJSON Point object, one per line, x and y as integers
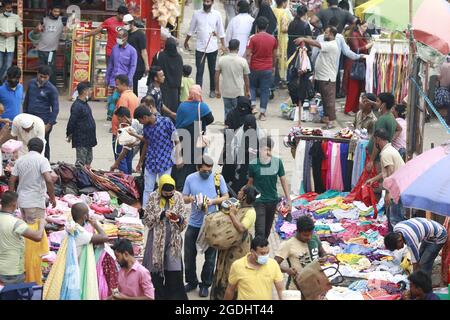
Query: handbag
{"type": "Point", "coordinates": [123, 137]}
{"type": "Point", "coordinates": [202, 140]}
{"type": "Point", "coordinates": [442, 97]}
{"type": "Point", "coordinates": [358, 71]}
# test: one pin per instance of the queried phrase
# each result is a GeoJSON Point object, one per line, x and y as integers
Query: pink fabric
{"type": "Point", "coordinates": [71, 199]}
{"type": "Point", "coordinates": [329, 160]}
{"type": "Point", "coordinates": [336, 172]}
{"type": "Point", "coordinates": [57, 237]}
{"type": "Point", "coordinates": [60, 220]}
{"type": "Point", "coordinates": [137, 282]}
{"type": "Point", "coordinates": [403, 177]}
{"type": "Point", "coordinates": [102, 285]}
{"type": "Point", "coordinates": [11, 146]}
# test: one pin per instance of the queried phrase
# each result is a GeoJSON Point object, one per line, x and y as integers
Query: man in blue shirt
{"type": "Point", "coordinates": [41, 100]}
{"type": "Point", "coordinates": [11, 93]}
{"type": "Point", "coordinates": [206, 194]}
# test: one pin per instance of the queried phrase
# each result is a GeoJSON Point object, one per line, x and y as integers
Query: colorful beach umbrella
{"type": "Point", "coordinates": [359, 10]}
{"type": "Point", "coordinates": [431, 19]}
{"type": "Point", "coordinates": [424, 182]}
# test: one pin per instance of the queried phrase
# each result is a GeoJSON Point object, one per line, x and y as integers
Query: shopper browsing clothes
{"type": "Point", "coordinates": [205, 191]}
{"type": "Point", "coordinates": [26, 127]}
{"type": "Point", "coordinates": [165, 217]}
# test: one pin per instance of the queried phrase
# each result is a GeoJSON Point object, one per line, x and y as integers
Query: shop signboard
{"type": "Point", "coordinates": [80, 69]}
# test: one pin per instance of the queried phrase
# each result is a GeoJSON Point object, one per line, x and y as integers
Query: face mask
{"type": "Point", "coordinates": [53, 17]}
{"type": "Point", "coordinates": [13, 83]}
{"type": "Point", "coordinates": [207, 7]}
{"type": "Point", "coordinates": [7, 14]}
{"type": "Point", "coordinates": [87, 98]}
{"type": "Point", "coordinates": [119, 41]}
{"type": "Point", "coordinates": [205, 175]}
{"type": "Point", "coordinates": [262, 259]}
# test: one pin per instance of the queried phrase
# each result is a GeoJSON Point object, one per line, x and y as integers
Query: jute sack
{"type": "Point", "coordinates": [220, 232]}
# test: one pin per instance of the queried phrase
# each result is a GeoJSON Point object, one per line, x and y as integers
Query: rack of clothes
{"type": "Point", "coordinates": [321, 163]}
{"type": "Point", "coordinates": [387, 68]}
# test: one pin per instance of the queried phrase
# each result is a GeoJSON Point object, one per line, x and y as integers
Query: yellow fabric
{"type": "Point", "coordinates": [91, 285]}
{"type": "Point", "coordinates": [254, 284]}
{"type": "Point", "coordinates": [406, 264]}
{"type": "Point", "coordinates": [52, 287]}
{"type": "Point", "coordinates": [165, 179]}
{"type": "Point", "coordinates": [283, 23]}
{"type": "Point", "coordinates": [249, 219]}
{"type": "Point", "coordinates": [33, 256]}
{"type": "Point", "coordinates": [349, 258]}
{"type": "Point", "coordinates": [360, 10]}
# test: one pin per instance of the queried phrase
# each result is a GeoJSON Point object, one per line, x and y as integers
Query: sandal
{"type": "Point", "coordinates": [262, 117]}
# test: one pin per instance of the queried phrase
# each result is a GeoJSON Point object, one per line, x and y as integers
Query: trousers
{"type": "Point", "coordinates": [211, 57]}
{"type": "Point", "coordinates": [265, 214]}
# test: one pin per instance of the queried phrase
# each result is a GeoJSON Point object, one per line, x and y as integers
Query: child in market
{"type": "Point", "coordinates": [186, 82]}
{"type": "Point", "coordinates": [420, 287]}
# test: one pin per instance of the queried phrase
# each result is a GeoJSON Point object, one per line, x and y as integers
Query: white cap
{"type": "Point", "coordinates": [127, 18]}
{"type": "Point", "coordinates": [25, 121]}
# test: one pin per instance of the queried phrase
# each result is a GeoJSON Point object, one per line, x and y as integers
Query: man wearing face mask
{"type": "Point", "coordinates": [10, 27]}
{"type": "Point", "coordinates": [207, 23]}
{"type": "Point", "coordinates": [112, 26]}
{"type": "Point", "coordinates": [80, 214]}
{"type": "Point", "coordinates": [42, 100]}
{"type": "Point", "coordinates": [137, 39]}
{"type": "Point", "coordinates": [11, 93]}
{"type": "Point", "coordinates": [81, 126]}
{"type": "Point", "coordinates": [391, 161]}
{"type": "Point", "coordinates": [199, 185]}
{"type": "Point", "coordinates": [123, 59]}
{"type": "Point", "coordinates": [254, 275]}
{"type": "Point", "coordinates": [50, 28]}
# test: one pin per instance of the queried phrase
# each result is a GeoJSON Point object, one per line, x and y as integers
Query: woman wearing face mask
{"type": "Point", "coordinates": [244, 149]}
{"type": "Point", "coordinates": [243, 220]}
{"type": "Point", "coordinates": [171, 63]}
{"type": "Point", "coordinates": [359, 43]}
{"type": "Point", "coordinates": [165, 217]}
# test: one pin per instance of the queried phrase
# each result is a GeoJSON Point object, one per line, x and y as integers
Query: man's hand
{"type": "Point", "coordinates": [69, 139]}
{"type": "Point", "coordinates": [387, 200]}
{"type": "Point", "coordinates": [119, 296]}
{"type": "Point", "coordinates": [173, 115]}
{"type": "Point", "coordinates": [247, 94]}
{"type": "Point", "coordinates": [363, 56]}
{"type": "Point", "coordinates": [53, 202]}
{"type": "Point", "coordinates": [147, 70]}
{"type": "Point", "coordinates": [113, 167]}
{"type": "Point", "coordinates": [369, 166]}
{"type": "Point", "coordinates": [369, 182]}
{"type": "Point", "coordinates": [218, 95]}
{"type": "Point", "coordinates": [233, 210]}
{"type": "Point", "coordinates": [179, 163]}
{"type": "Point", "coordinates": [172, 217]}
{"type": "Point", "coordinates": [48, 127]}
{"type": "Point", "coordinates": [211, 202]}
{"type": "Point", "coordinates": [298, 41]}
{"type": "Point", "coordinates": [191, 199]}
{"type": "Point", "coordinates": [139, 167]}
{"type": "Point", "coordinates": [292, 272]}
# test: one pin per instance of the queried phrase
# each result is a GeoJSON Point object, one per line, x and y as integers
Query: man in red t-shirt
{"type": "Point", "coordinates": [111, 25]}
{"type": "Point", "coordinates": [261, 55]}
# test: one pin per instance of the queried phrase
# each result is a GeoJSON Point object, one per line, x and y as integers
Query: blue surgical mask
{"type": "Point", "coordinates": [205, 175]}
{"type": "Point", "coordinates": [262, 259]}
{"type": "Point", "coordinates": [7, 14]}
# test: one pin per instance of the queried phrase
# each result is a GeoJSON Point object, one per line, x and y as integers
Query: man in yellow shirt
{"type": "Point", "coordinates": [254, 275]}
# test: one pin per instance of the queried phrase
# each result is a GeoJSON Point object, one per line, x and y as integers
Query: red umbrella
{"type": "Point", "coordinates": [431, 24]}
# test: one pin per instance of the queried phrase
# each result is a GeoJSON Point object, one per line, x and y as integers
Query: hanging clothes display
{"type": "Point", "coordinates": [359, 160]}
{"type": "Point", "coordinates": [387, 68]}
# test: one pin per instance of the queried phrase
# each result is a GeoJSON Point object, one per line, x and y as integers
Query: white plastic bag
{"type": "Point", "coordinates": [142, 87]}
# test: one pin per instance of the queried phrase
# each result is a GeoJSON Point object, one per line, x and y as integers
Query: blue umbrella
{"type": "Point", "coordinates": [431, 190]}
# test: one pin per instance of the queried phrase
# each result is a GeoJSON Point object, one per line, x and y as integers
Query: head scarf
{"type": "Point", "coordinates": [165, 179]}
{"type": "Point", "coordinates": [171, 62]}
{"type": "Point", "coordinates": [235, 118]}
{"type": "Point", "coordinates": [266, 11]}
{"type": "Point", "coordinates": [250, 122]}
{"type": "Point", "coordinates": [195, 93]}
{"type": "Point", "coordinates": [171, 47]}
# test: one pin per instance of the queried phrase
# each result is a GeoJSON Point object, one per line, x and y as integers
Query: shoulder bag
{"type": "Point", "coordinates": [202, 140]}
{"type": "Point", "coordinates": [358, 71]}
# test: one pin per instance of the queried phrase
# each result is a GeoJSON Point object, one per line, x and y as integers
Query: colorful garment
{"type": "Point", "coordinates": [282, 26]}
{"type": "Point", "coordinates": [33, 253]}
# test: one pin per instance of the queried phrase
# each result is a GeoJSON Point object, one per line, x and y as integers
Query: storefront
{"type": "Point", "coordinates": [91, 14]}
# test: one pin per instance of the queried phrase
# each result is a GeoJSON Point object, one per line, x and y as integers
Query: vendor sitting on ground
{"type": "Point", "coordinates": [423, 237]}
{"type": "Point", "coordinates": [300, 250]}
{"type": "Point", "coordinates": [420, 287]}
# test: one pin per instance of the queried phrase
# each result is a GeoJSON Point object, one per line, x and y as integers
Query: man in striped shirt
{"type": "Point", "coordinates": [424, 238]}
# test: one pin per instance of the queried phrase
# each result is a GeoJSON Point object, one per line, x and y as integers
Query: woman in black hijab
{"type": "Point", "coordinates": [299, 27]}
{"type": "Point", "coordinates": [266, 11]}
{"type": "Point", "coordinates": [171, 63]}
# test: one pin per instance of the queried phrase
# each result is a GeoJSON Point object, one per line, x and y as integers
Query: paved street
{"type": "Point", "coordinates": [103, 157]}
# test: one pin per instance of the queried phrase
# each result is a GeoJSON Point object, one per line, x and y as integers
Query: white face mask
{"type": "Point", "coordinates": [119, 41]}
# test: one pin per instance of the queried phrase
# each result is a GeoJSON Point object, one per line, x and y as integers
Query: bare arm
{"type": "Point", "coordinates": [143, 154]}
{"type": "Point", "coordinates": [12, 183]}
{"type": "Point", "coordinates": [308, 41]}
{"type": "Point", "coordinates": [35, 236]}
{"type": "Point", "coordinates": [279, 287]}
{"type": "Point", "coordinates": [50, 187]}
{"type": "Point", "coordinates": [248, 55]}
{"type": "Point", "coordinates": [101, 237]}
{"type": "Point", "coordinates": [121, 156]}
{"type": "Point", "coordinates": [229, 293]}
{"type": "Point", "coordinates": [283, 269]}
{"type": "Point", "coordinates": [247, 84]}
{"type": "Point", "coordinates": [236, 223]}
{"type": "Point", "coordinates": [219, 201]}
{"type": "Point", "coordinates": [217, 83]}
{"type": "Point", "coordinates": [169, 112]}
{"type": "Point", "coordinates": [285, 187]}
{"type": "Point", "coordinates": [250, 181]}
{"type": "Point", "coordinates": [91, 33]}
{"type": "Point", "coordinates": [145, 58]}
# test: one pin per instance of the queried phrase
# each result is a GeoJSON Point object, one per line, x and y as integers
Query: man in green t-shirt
{"type": "Point", "coordinates": [263, 174]}
{"type": "Point", "coordinates": [387, 121]}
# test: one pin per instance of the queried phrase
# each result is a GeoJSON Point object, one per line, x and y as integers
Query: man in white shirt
{"type": "Point", "coordinates": [234, 70]}
{"type": "Point", "coordinates": [240, 27]}
{"type": "Point", "coordinates": [207, 23]}
{"type": "Point", "coordinates": [326, 71]}
{"type": "Point", "coordinates": [10, 28]}
{"type": "Point", "coordinates": [25, 127]}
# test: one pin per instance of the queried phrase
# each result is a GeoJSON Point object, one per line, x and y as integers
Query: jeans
{"type": "Point", "coordinates": [211, 57]}
{"type": "Point", "coordinates": [428, 252]}
{"type": "Point", "coordinates": [126, 165]}
{"type": "Point", "coordinates": [47, 145]}
{"type": "Point", "coordinates": [84, 155]}
{"type": "Point", "coordinates": [229, 104]}
{"type": "Point", "coordinates": [149, 183]}
{"type": "Point", "coordinates": [44, 60]}
{"type": "Point", "coordinates": [265, 213]}
{"type": "Point", "coordinates": [190, 259]}
{"type": "Point", "coordinates": [395, 214]}
{"type": "Point", "coordinates": [16, 279]}
{"type": "Point", "coordinates": [6, 59]}
{"type": "Point", "coordinates": [263, 81]}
